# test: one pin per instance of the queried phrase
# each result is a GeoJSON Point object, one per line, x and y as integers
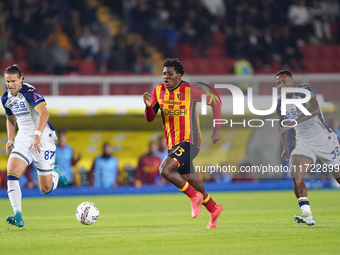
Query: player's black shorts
{"type": "Point", "coordinates": [183, 154]}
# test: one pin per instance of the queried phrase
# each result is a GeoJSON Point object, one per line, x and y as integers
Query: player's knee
{"type": "Point", "coordinates": [297, 181]}
{"type": "Point", "coordinates": [164, 171]}
{"type": "Point", "coordinates": [45, 188]}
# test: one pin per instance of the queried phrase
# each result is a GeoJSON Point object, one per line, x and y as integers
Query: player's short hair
{"type": "Point", "coordinates": [62, 131]}
{"type": "Point", "coordinates": [176, 63]}
{"type": "Point", "coordinates": [284, 72]}
{"type": "Point", "coordinates": [14, 69]}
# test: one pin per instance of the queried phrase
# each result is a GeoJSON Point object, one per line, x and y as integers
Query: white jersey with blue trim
{"type": "Point", "coordinates": [311, 130]}
{"type": "Point", "coordinates": [22, 107]}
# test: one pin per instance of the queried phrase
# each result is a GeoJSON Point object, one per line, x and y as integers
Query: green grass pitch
{"type": "Point", "coordinates": [251, 223]}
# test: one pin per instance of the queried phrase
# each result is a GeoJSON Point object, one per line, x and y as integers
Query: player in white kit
{"type": "Point", "coordinates": [34, 142]}
{"type": "Point", "coordinates": [314, 140]}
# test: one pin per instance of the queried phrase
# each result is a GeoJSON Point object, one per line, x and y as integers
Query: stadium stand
{"type": "Point", "coordinates": [205, 36]}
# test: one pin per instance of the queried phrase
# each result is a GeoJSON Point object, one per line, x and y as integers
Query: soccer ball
{"type": "Point", "coordinates": [87, 213]}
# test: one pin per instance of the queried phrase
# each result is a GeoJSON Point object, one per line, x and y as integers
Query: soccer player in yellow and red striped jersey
{"type": "Point", "coordinates": [177, 100]}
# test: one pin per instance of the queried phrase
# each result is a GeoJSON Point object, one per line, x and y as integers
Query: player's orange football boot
{"type": "Point", "coordinates": [196, 204]}
{"type": "Point", "coordinates": [214, 216]}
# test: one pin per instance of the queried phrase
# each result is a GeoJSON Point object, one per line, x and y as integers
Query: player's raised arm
{"type": "Point", "coordinates": [216, 111]}
{"type": "Point", "coordinates": [147, 99]}
{"type": "Point", "coordinates": [11, 125]}
{"type": "Point", "coordinates": [42, 122]}
{"type": "Point", "coordinates": [151, 105]}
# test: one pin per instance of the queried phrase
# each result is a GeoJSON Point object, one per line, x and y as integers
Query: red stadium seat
{"type": "Point", "coordinates": [117, 89]}
{"type": "Point", "coordinates": [310, 51]}
{"type": "Point", "coordinates": [23, 65]}
{"type": "Point", "coordinates": [5, 63]}
{"type": "Point", "coordinates": [68, 89]}
{"type": "Point", "coordinates": [90, 90]}
{"type": "Point", "coordinates": [20, 52]}
{"type": "Point", "coordinates": [311, 66]}
{"type": "Point", "coordinates": [79, 89]}
{"type": "Point", "coordinates": [87, 67]}
{"type": "Point", "coordinates": [216, 51]}
{"type": "Point", "coordinates": [327, 51]}
{"type": "Point", "coordinates": [43, 88]}
{"type": "Point", "coordinates": [189, 65]}
{"type": "Point", "coordinates": [221, 66]}
{"type": "Point", "coordinates": [335, 25]}
{"type": "Point", "coordinates": [326, 65]}
{"type": "Point", "coordinates": [275, 66]}
{"type": "Point", "coordinates": [337, 65]}
{"type": "Point", "coordinates": [219, 39]}
{"type": "Point", "coordinates": [186, 51]}
{"type": "Point", "coordinates": [337, 52]}
{"type": "Point", "coordinates": [202, 66]}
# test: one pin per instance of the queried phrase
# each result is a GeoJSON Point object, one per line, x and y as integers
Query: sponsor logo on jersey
{"type": "Point", "coordinates": [170, 102]}
{"type": "Point", "coordinates": [174, 112]}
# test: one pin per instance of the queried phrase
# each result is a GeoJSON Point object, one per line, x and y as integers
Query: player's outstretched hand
{"type": "Point", "coordinates": [284, 129]}
{"type": "Point", "coordinates": [9, 146]}
{"type": "Point", "coordinates": [147, 99]}
{"type": "Point", "coordinates": [216, 136]}
{"type": "Point", "coordinates": [285, 155]}
{"type": "Point", "coordinates": [36, 144]}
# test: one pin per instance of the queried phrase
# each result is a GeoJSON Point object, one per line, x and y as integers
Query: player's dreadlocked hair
{"type": "Point", "coordinates": [179, 68]}
{"type": "Point", "coordinates": [13, 69]}
{"type": "Point", "coordinates": [284, 72]}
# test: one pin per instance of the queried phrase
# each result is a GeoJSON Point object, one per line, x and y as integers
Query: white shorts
{"type": "Point", "coordinates": [44, 161]}
{"type": "Point", "coordinates": [327, 151]}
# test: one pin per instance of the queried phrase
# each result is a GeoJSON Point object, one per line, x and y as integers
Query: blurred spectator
{"type": "Point", "coordinates": [39, 56]}
{"type": "Point", "coordinates": [118, 56]}
{"type": "Point", "coordinates": [131, 174]}
{"type": "Point", "coordinates": [287, 48]}
{"type": "Point", "coordinates": [64, 156]}
{"type": "Point", "coordinates": [147, 171]}
{"type": "Point", "coordinates": [163, 25]}
{"type": "Point", "coordinates": [89, 46]}
{"type": "Point", "coordinates": [60, 58]}
{"type": "Point", "coordinates": [187, 35]}
{"type": "Point", "coordinates": [105, 45]}
{"type": "Point", "coordinates": [3, 33]}
{"type": "Point", "coordinates": [162, 151]}
{"type": "Point", "coordinates": [299, 19]}
{"type": "Point", "coordinates": [74, 29]}
{"type": "Point", "coordinates": [104, 170]}
{"type": "Point", "coordinates": [59, 38]}
{"type": "Point", "coordinates": [223, 176]}
{"type": "Point", "coordinates": [242, 67]}
{"type": "Point", "coordinates": [259, 47]}
{"type": "Point", "coordinates": [171, 40]}
{"type": "Point", "coordinates": [331, 8]}
{"type": "Point", "coordinates": [237, 44]}
{"type": "Point", "coordinates": [320, 21]}
{"type": "Point", "coordinates": [137, 56]}
{"type": "Point", "coordinates": [88, 14]}
{"type": "Point", "coordinates": [140, 18]}
{"type": "Point", "coordinates": [215, 7]}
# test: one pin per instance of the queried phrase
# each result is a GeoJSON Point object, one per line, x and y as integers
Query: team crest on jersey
{"type": "Point", "coordinates": [179, 96]}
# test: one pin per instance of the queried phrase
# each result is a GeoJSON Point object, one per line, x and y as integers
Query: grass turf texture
{"type": "Point", "coordinates": [251, 223]}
